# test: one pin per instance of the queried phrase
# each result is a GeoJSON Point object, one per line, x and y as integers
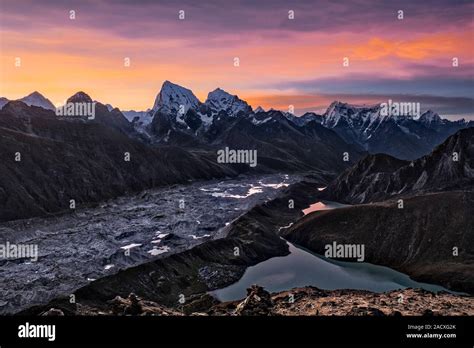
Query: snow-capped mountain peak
{"type": "Point", "coordinates": [351, 114]}
{"type": "Point", "coordinates": [219, 99]}
{"type": "Point", "coordinates": [80, 97]}
{"type": "Point", "coordinates": [259, 109]}
{"type": "Point", "coordinates": [334, 113]}
{"type": "Point", "coordinates": [139, 119]}
{"type": "Point", "coordinates": [174, 98]}
{"type": "Point", "coordinates": [37, 99]}
{"type": "Point", "coordinates": [430, 117]}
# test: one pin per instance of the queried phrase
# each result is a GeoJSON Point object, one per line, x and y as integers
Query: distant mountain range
{"type": "Point", "coordinates": [33, 99]}
{"type": "Point", "coordinates": [179, 118]}
{"type": "Point", "coordinates": [65, 158]}
{"type": "Point", "coordinates": [379, 177]}
{"type": "Point", "coordinates": [404, 137]}
{"type": "Point", "coordinates": [183, 134]}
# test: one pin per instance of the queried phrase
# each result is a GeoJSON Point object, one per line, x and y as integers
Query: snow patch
{"type": "Point", "coordinates": [157, 251]}
{"type": "Point", "coordinates": [130, 246]}
{"type": "Point", "coordinates": [220, 100]}
{"type": "Point", "coordinates": [259, 122]}
{"type": "Point", "coordinates": [172, 97]}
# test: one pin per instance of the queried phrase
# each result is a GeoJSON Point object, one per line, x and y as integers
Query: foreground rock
{"type": "Point", "coordinates": [307, 301]}
{"type": "Point", "coordinates": [257, 302]}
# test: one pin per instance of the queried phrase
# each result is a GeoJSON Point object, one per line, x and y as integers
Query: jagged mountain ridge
{"type": "Point", "coordinates": [282, 143]}
{"type": "Point", "coordinates": [174, 98]}
{"type": "Point", "coordinates": [224, 120]}
{"type": "Point", "coordinates": [404, 137]}
{"type": "Point", "coordinates": [70, 158]}
{"type": "Point", "coordinates": [37, 99]}
{"type": "Point", "coordinates": [219, 100]}
{"type": "Point", "coordinates": [379, 177]}
{"type": "Point", "coordinates": [179, 118]}
{"type": "Point", "coordinates": [32, 99]}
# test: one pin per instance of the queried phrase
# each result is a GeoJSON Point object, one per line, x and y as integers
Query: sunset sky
{"type": "Point", "coordinates": [282, 61]}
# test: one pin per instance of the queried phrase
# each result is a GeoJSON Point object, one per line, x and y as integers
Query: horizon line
{"type": "Point", "coordinates": [459, 116]}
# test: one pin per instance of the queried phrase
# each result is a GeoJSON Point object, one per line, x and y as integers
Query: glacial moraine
{"type": "Point", "coordinates": [91, 243]}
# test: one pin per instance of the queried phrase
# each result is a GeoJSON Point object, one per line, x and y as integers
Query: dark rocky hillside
{"type": "Point", "coordinates": [85, 161]}
{"type": "Point", "coordinates": [417, 240]}
{"type": "Point", "coordinates": [379, 177]}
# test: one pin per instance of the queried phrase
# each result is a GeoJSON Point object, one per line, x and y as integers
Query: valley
{"type": "Point", "coordinates": [244, 173]}
{"type": "Point", "coordinates": [77, 248]}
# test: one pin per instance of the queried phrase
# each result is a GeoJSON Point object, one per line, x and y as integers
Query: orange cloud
{"type": "Point", "coordinates": [425, 47]}
{"type": "Point", "coordinates": [60, 62]}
